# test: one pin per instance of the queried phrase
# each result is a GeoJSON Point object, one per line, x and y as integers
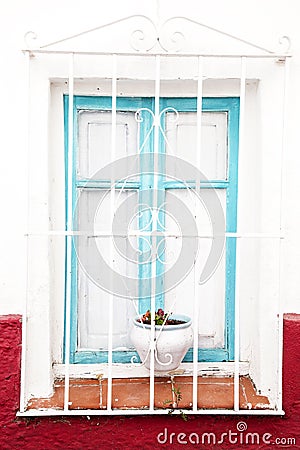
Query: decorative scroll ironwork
{"type": "Point", "coordinates": [285, 44]}
{"type": "Point", "coordinates": [30, 39]}
{"type": "Point", "coordinates": [166, 37]}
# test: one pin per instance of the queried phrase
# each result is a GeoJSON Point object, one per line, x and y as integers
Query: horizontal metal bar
{"type": "Point", "coordinates": [153, 55]}
{"type": "Point", "coordinates": [255, 235]}
{"type": "Point", "coordinates": [137, 233]}
{"type": "Point", "coordinates": [129, 185]}
{"type": "Point", "coordinates": [131, 412]}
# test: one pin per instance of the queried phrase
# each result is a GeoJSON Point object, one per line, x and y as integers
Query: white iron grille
{"type": "Point", "coordinates": [239, 235]}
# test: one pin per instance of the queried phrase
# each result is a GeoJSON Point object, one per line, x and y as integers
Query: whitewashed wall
{"type": "Point", "coordinates": [262, 23]}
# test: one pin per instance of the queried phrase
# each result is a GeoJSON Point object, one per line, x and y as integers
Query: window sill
{"type": "Point", "coordinates": [133, 393]}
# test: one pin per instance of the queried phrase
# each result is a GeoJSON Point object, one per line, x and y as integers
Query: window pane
{"type": "Point", "coordinates": [94, 138]}
{"type": "Point", "coordinates": [181, 133]}
{"type": "Point", "coordinates": [118, 254]}
{"type": "Point", "coordinates": [212, 293]}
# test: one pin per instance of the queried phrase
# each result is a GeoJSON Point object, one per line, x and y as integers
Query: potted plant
{"type": "Point", "coordinates": [173, 338]}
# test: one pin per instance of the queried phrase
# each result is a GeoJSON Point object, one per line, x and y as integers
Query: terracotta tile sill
{"type": "Point", "coordinates": [133, 393]}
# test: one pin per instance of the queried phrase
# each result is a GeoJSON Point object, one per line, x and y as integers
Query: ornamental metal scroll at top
{"type": "Point", "coordinates": [168, 38]}
{"type": "Point", "coordinates": [176, 35]}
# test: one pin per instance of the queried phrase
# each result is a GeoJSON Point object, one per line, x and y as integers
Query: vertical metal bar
{"type": "Point", "coordinates": [25, 301]}
{"type": "Point", "coordinates": [282, 226]}
{"type": "Point", "coordinates": [154, 226]}
{"type": "Point", "coordinates": [197, 268]}
{"type": "Point", "coordinates": [69, 228]}
{"type": "Point", "coordinates": [112, 210]}
{"type": "Point", "coordinates": [238, 251]}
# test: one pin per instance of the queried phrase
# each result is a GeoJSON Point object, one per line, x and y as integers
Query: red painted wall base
{"type": "Point", "coordinates": [141, 432]}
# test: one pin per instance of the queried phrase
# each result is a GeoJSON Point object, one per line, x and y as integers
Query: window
{"type": "Point", "coordinates": [151, 158]}
{"type": "Point", "coordinates": [92, 203]}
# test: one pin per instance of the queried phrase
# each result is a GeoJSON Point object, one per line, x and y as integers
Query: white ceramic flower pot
{"type": "Point", "coordinates": [171, 342]}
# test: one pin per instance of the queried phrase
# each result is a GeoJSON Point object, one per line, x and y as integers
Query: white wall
{"type": "Point", "coordinates": [261, 23]}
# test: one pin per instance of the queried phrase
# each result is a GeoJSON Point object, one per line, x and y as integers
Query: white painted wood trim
{"type": "Point", "coordinates": [223, 369]}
